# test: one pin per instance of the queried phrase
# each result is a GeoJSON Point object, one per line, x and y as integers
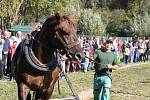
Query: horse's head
{"type": "Point", "coordinates": [62, 34]}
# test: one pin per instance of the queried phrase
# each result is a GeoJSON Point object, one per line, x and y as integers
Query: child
{"type": "Point", "coordinates": [13, 49]}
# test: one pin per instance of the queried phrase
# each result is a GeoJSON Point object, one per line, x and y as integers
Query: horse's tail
{"type": "Point", "coordinates": [14, 62]}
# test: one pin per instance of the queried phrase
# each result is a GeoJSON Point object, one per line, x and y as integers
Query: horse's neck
{"type": "Point", "coordinates": [43, 49]}
{"type": "Point", "coordinates": [43, 52]}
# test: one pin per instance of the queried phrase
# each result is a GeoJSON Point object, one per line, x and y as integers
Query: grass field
{"type": "Point", "coordinates": [128, 84]}
{"type": "Point", "coordinates": [132, 83]}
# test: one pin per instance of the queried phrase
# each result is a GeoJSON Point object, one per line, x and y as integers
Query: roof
{"type": "Point", "coordinates": [21, 28]}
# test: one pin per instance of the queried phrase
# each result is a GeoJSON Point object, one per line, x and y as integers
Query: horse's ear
{"type": "Point", "coordinates": [57, 15]}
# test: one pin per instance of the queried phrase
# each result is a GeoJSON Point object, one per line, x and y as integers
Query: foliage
{"type": "Point", "coordinates": [41, 9]}
{"type": "Point", "coordinates": [90, 23]}
{"type": "Point", "coordinates": [9, 11]}
{"type": "Point", "coordinates": [115, 17]}
{"type": "Point", "coordinates": [140, 24]}
{"type": "Point", "coordinates": [118, 24]}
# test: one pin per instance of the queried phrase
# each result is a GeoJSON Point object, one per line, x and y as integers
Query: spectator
{"type": "Point", "coordinates": [123, 50]}
{"type": "Point", "coordinates": [142, 51]}
{"type": "Point", "coordinates": [119, 49]}
{"type": "Point", "coordinates": [1, 49]}
{"type": "Point", "coordinates": [87, 54]}
{"type": "Point", "coordinates": [127, 53]}
{"type": "Point", "coordinates": [147, 52]}
{"type": "Point", "coordinates": [91, 52]}
{"type": "Point", "coordinates": [16, 38]}
{"type": "Point", "coordinates": [132, 52]}
{"type": "Point", "coordinates": [13, 49]}
{"type": "Point", "coordinates": [67, 64]}
{"type": "Point", "coordinates": [6, 48]}
{"type": "Point", "coordinates": [136, 52]}
{"type": "Point", "coordinates": [115, 48]}
{"type": "Point", "coordinates": [95, 46]}
{"type": "Point", "coordinates": [137, 55]}
{"type": "Point", "coordinates": [63, 62]}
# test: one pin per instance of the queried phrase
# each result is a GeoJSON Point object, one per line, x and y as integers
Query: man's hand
{"type": "Point", "coordinates": [113, 67]}
{"type": "Point", "coordinates": [64, 57]}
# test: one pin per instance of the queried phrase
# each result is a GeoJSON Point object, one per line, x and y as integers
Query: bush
{"type": "Point", "coordinates": [90, 23]}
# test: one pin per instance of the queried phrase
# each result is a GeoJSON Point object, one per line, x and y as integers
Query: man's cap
{"type": "Point", "coordinates": [109, 41]}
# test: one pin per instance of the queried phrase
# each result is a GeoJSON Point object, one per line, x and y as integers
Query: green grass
{"type": "Point", "coordinates": [80, 81]}
{"type": "Point", "coordinates": [131, 83]}
{"type": "Point", "coordinates": [8, 90]}
{"type": "Point", "coordinates": [128, 84]}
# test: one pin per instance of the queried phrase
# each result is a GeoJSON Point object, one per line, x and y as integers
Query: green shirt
{"type": "Point", "coordinates": [102, 59]}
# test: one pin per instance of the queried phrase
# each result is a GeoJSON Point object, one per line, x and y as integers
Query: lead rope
{"type": "Point", "coordinates": [69, 83]}
{"type": "Point", "coordinates": [71, 87]}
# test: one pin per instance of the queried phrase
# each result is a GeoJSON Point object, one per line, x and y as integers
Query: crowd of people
{"type": "Point", "coordinates": [8, 45]}
{"type": "Point", "coordinates": [125, 51]}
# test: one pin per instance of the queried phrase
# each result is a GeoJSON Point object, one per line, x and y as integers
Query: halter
{"type": "Point", "coordinates": [68, 46]}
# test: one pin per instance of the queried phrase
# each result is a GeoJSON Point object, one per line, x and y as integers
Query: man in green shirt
{"type": "Point", "coordinates": [105, 61]}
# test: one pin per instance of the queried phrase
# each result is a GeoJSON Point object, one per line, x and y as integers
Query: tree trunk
{"type": "Point", "coordinates": [2, 26]}
{"type": "Point", "coordinates": [15, 17]}
{"type": "Point", "coordinates": [37, 10]}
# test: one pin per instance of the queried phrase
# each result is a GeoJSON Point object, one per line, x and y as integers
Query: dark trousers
{"type": "Point", "coordinates": [142, 57]}
{"type": "Point", "coordinates": [4, 64]}
{"type": "Point", "coordinates": [1, 70]}
{"type": "Point", "coordinates": [8, 70]}
{"type": "Point", "coordinates": [147, 55]}
{"type": "Point", "coordinates": [126, 59]}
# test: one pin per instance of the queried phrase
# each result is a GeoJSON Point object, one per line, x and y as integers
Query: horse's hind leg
{"type": "Point", "coordinates": [23, 92]}
{"type": "Point", "coordinates": [38, 96]}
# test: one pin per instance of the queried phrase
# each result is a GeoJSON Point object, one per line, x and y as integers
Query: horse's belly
{"type": "Point", "coordinates": [37, 81]}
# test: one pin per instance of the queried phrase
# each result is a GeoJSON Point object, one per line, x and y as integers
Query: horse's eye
{"type": "Point", "coordinates": [66, 33]}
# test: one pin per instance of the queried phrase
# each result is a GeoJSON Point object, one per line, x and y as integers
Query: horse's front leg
{"type": "Point", "coordinates": [55, 76]}
{"type": "Point", "coordinates": [49, 92]}
{"type": "Point", "coordinates": [44, 94]}
{"type": "Point", "coordinates": [23, 91]}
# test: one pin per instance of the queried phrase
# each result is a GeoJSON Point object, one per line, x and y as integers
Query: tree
{"type": "Point", "coordinates": [141, 24]}
{"type": "Point", "coordinates": [9, 12]}
{"type": "Point", "coordinates": [90, 23]}
{"type": "Point", "coordinates": [119, 24]}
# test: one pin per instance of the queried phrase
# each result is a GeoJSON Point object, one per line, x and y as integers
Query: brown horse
{"type": "Point", "coordinates": [35, 62]}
